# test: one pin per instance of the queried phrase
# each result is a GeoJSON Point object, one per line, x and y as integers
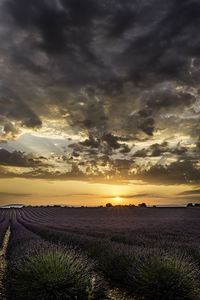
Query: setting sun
{"type": "Point", "coordinates": [117, 198]}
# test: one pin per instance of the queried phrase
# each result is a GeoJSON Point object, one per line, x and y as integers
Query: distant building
{"type": "Point", "coordinates": [12, 206]}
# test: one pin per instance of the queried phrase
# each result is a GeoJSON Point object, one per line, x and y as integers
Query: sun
{"type": "Point", "coordinates": [117, 198]}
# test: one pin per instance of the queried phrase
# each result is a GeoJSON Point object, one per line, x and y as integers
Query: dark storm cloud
{"type": "Point", "coordinates": [70, 28]}
{"type": "Point", "coordinates": [114, 73]}
{"type": "Point", "coordinates": [157, 150]}
{"type": "Point", "coordinates": [164, 47]}
{"type": "Point", "coordinates": [111, 140]}
{"type": "Point", "coordinates": [122, 20]}
{"type": "Point", "coordinates": [44, 173]}
{"type": "Point", "coordinates": [9, 131]}
{"type": "Point", "coordinates": [162, 100]}
{"type": "Point", "coordinates": [147, 126]}
{"type": "Point", "coordinates": [141, 153]}
{"type": "Point", "coordinates": [125, 149]}
{"type": "Point", "coordinates": [20, 159]}
{"type": "Point", "coordinates": [106, 169]}
{"type": "Point", "coordinates": [90, 142]}
{"type": "Point", "coordinates": [162, 32]}
{"type": "Point", "coordinates": [106, 143]}
{"type": "Point", "coordinates": [49, 20]}
{"type": "Point", "coordinates": [180, 172]}
{"type": "Point", "coordinates": [64, 26]}
{"type": "Point", "coordinates": [13, 109]}
{"type": "Point", "coordinates": [161, 149]}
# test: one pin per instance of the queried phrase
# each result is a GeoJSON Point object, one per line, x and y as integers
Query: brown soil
{"type": "Point", "coordinates": [3, 263]}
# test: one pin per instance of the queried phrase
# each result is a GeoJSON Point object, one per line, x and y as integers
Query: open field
{"type": "Point", "coordinates": [101, 253]}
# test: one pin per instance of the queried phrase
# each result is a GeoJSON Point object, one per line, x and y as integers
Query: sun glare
{"type": "Point", "coordinates": [117, 199]}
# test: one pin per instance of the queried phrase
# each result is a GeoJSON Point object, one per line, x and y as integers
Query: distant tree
{"type": "Point", "coordinates": [142, 205]}
{"type": "Point", "coordinates": [197, 204]}
{"type": "Point", "coordinates": [154, 206]}
{"type": "Point", "coordinates": [109, 205]}
{"type": "Point", "coordinates": [189, 205]}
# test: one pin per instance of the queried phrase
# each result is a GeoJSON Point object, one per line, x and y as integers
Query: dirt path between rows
{"type": "Point", "coordinates": [116, 294]}
{"type": "Point", "coordinates": [3, 263]}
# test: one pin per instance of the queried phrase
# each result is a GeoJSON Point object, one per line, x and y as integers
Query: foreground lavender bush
{"type": "Point", "coordinates": [56, 274]}
{"type": "Point", "coordinates": [165, 278]}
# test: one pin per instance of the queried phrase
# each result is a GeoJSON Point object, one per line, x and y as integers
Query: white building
{"type": "Point", "coordinates": [12, 206]}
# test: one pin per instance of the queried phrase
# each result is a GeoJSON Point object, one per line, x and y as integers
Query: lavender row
{"type": "Point", "coordinates": [135, 268]}
{"type": "Point", "coordinates": [4, 223]}
{"type": "Point", "coordinates": [169, 235]}
{"type": "Point", "coordinates": [38, 269]}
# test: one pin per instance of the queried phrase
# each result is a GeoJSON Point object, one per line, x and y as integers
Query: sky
{"type": "Point", "coordinates": [99, 102]}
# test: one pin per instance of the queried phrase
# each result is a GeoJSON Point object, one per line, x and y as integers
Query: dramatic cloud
{"type": "Point", "coordinates": [191, 192]}
{"type": "Point", "coordinates": [160, 150]}
{"type": "Point", "coordinates": [100, 90]}
{"type": "Point", "coordinates": [179, 172]}
{"type": "Point", "coordinates": [20, 159]}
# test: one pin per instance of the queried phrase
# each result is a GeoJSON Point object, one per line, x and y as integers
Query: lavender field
{"type": "Point", "coordinates": [101, 253]}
